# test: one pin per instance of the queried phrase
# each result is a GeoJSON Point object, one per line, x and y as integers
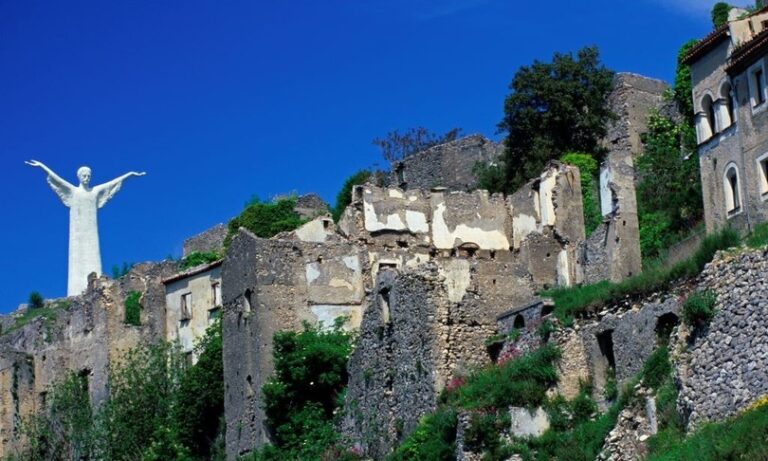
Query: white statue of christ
{"type": "Point", "coordinates": [83, 202]}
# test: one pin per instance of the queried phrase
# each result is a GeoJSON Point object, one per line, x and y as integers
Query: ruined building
{"type": "Point", "coordinates": [426, 269]}
{"type": "Point", "coordinates": [728, 69]}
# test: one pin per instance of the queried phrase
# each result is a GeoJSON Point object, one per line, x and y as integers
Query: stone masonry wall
{"type": "Point", "coordinates": [208, 241]}
{"type": "Point", "coordinates": [448, 165]}
{"type": "Point", "coordinates": [394, 368]}
{"type": "Point", "coordinates": [726, 366]}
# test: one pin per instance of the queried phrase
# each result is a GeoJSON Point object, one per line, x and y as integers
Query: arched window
{"type": "Point", "coordinates": [725, 106]}
{"type": "Point", "coordinates": [709, 111]}
{"type": "Point", "coordinates": [519, 321]}
{"type": "Point", "coordinates": [731, 190]}
{"type": "Point", "coordinates": [705, 123]}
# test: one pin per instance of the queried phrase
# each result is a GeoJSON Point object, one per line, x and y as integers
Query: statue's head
{"type": "Point", "coordinates": [84, 175]}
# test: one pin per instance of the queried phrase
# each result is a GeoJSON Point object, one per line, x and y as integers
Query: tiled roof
{"type": "Point", "coordinates": [746, 54]}
{"type": "Point", "coordinates": [706, 44]}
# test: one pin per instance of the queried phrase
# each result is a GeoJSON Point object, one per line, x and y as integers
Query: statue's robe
{"type": "Point", "coordinates": [84, 251]}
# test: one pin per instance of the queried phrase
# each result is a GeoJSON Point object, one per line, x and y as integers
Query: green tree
{"type": "Point", "coordinates": [554, 107]}
{"type": "Point", "coordinates": [669, 190]}
{"type": "Point", "coordinates": [720, 13]}
{"type": "Point", "coordinates": [396, 146]}
{"type": "Point", "coordinates": [199, 404]}
{"type": "Point", "coordinates": [344, 197]}
{"type": "Point", "coordinates": [137, 414]}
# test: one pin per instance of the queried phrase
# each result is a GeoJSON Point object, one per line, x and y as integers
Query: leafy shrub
{"type": "Point", "coordinates": [720, 13]}
{"type": "Point", "coordinates": [200, 396]}
{"type": "Point", "coordinates": [699, 308]}
{"type": "Point", "coordinates": [519, 382]}
{"type": "Point", "coordinates": [657, 368]}
{"type": "Point", "coordinates": [300, 398]}
{"type": "Point", "coordinates": [483, 434]}
{"type": "Point", "coordinates": [611, 389]}
{"type": "Point", "coordinates": [133, 308]}
{"type": "Point", "coordinates": [36, 300]}
{"type": "Point", "coordinates": [434, 439]}
{"type": "Point", "coordinates": [588, 170]}
{"type": "Point", "coordinates": [65, 427]}
{"type": "Point", "coordinates": [197, 258]}
{"type": "Point", "coordinates": [545, 329]}
{"type": "Point", "coordinates": [344, 197]}
{"type": "Point", "coordinates": [266, 220]}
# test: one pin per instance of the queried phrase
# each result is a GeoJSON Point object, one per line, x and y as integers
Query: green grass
{"type": "Point", "coordinates": [699, 308]}
{"type": "Point", "coordinates": [47, 313]}
{"type": "Point", "coordinates": [744, 437]}
{"type": "Point", "coordinates": [657, 368]}
{"type": "Point", "coordinates": [521, 382]}
{"type": "Point", "coordinates": [575, 301]}
{"type": "Point", "coordinates": [759, 236]}
{"type": "Point", "coordinates": [434, 439]}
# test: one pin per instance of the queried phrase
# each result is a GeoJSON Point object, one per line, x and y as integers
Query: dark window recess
{"type": "Point", "coordinates": [759, 87]}
{"type": "Point", "coordinates": [605, 342]}
{"type": "Point", "coordinates": [665, 324]}
{"type": "Point", "coordinates": [519, 321]}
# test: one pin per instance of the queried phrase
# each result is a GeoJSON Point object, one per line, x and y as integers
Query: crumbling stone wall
{"type": "Point", "coordinates": [612, 252]}
{"type": "Point", "coordinates": [624, 339]}
{"type": "Point", "coordinates": [448, 165]}
{"type": "Point", "coordinates": [272, 285]}
{"type": "Point", "coordinates": [726, 366]}
{"type": "Point", "coordinates": [394, 371]}
{"type": "Point", "coordinates": [211, 240]}
{"type": "Point", "coordinates": [86, 335]}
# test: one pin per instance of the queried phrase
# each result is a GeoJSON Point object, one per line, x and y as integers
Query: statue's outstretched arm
{"type": "Point", "coordinates": [60, 186]}
{"type": "Point", "coordinates": [108, 190]}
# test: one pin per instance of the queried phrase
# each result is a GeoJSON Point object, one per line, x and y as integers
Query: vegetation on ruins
{"type": "Point", "coordinates": [720, 13]}
{"type": "Point", "coordinates": [575, 301]}
{"type": "Point", "coordinates": [118, 271]}
{"type": "Point", "coordinates": [669, 202]}
{"type": "Point", "coordinates": [669, 191]}
{"type": "Point", "coordinates": [36, 300]}
{"type": "Point", "coordinates": [301, 399]}
{"type": "Point", "coordinates": [553, 108]}
{"type": "Point", "coordinates": [520, 382]}
{"type": "Point", "coordinates": [744, 437]}
{"type": "Point", "coordinates": [133, 308]}
{"type": "Point", "coordinates": [344, 197]}
{"type": "Point", "coordinates": [396, 146]}
{"type": "Point", "coordinates": [699, 308]}
{"type": "Point", "coordinates": [588, 170]}
{"type": "Point", "coordinates": [266, 219]}
{"type": "Point", "coordinates": [158, 408]}
{"type": "Point", "coordinates": [197, 258]}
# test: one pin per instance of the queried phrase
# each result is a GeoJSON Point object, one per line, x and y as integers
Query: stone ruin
{"type": "Point", "coordinates": [426, 273]}
{"type": "Point", "coordinates": [423, 276]}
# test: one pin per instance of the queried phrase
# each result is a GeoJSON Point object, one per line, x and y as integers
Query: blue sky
{"type": "Point", "coordinates": [218, 101]}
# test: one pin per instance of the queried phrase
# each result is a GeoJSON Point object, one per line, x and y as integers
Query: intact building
{"type": "Point", "coordinates": [730, 100]}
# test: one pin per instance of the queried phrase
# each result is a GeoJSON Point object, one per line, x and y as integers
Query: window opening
{"type": "Point", "coordinates": [731, 188]}
{"type": "Point", "coordinates": [605, 342]}
{"type": "Point", "coordinates": [186, 306]}
{"type": "Point", "coordinates": [216, 289]}
{"type": "Point", "coordinates": [762, 166]}
{"type": "Point", "coordinates": [519, 321]}
{"type": "Point", "coordinates": [384, 305]}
